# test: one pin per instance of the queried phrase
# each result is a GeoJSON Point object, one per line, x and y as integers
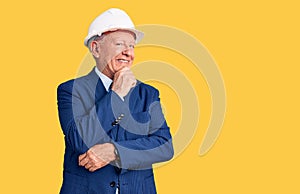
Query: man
{"type": "Point", "coordinates": [113, 124]}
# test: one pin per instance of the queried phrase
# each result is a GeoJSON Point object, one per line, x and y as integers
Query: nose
{"type": "Point", "coordinates": [128, 51]}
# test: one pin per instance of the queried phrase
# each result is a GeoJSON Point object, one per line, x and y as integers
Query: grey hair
{"type": "Point", "coordinates": [94, 38]}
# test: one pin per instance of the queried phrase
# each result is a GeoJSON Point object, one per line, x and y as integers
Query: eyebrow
{"type": "Point", "coordinates": [121, 39]}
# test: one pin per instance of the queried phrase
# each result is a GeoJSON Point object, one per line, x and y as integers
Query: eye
{"type": "Point", "coordinates": [131, 45]}
{"type": "Point", "coordinates": [119, 44]}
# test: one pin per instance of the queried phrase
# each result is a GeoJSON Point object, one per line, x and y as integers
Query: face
{"type": "Point", "coordinates": [116, 51]}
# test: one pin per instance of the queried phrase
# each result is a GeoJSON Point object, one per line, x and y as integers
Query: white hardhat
{"type": "Point", "coordinates": [111, 20]}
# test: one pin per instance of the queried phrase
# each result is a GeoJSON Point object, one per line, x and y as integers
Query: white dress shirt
{"type": "Point", "coordinates": [105, 80]}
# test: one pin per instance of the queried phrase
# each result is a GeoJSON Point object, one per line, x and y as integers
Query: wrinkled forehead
{"type": "Point", "coordinates": [120, 34]}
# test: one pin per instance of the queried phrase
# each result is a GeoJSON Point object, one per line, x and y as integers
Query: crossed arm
{"type": "Point", "coordinates": [90, 136]}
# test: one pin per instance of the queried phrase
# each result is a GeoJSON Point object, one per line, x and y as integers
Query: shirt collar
{"type": "Point", "coordinates": [105, 80]}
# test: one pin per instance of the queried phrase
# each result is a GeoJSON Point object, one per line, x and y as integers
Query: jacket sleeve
{"type": "Point", "coordinates": [154, 147]}
{"type": "Point", "coordinates": [85, 127]}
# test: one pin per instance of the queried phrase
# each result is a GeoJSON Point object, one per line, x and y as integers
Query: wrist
{"type": "Point", "coordinates": [119, 94]}
{"type": "Point", "coordinates": [117, 160]}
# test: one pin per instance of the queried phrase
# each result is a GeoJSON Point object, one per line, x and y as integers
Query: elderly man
{"type": "Point", "coordinates": [113, 124]}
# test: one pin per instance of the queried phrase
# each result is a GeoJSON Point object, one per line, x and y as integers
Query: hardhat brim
{"type": "Point", "coordinates": [138, 34]}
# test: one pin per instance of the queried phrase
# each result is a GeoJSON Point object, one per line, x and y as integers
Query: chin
{"type": "Point", "coordinates": [121, 66]}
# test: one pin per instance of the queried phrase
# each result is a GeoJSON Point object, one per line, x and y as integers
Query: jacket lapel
{"type": "Point", "coordinates": [95, 83]}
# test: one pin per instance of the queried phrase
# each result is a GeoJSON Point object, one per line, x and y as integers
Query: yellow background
{"type": "Point", "coordinates": [255, 43]}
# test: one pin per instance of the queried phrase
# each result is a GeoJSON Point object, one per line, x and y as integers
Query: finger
{"type": "Point", "coordinates": [81, 157]}
{"type": "Point", "coordinates": [98, 166]}
{"type": "Point", "coordinates": [125, 69]}
{"type": "Point", "coordinates": [122, 72]}
{"type": "Point", "coordinates": [84, 161]}
{"type": "Point", "coordinates": [90, 162]}
{"type": "Point", "coordinates": [134, 82]}
{"type": "Point", "coordinates": [88, 165]}
{"type": "Point", "coordinates": [92, 169]}
{"type": "Point", "coordinates": [91, 155]}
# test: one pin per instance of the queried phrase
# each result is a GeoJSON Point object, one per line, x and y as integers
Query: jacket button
{"type": "Point", "coordinates": [112, 184]}
{"type": "Point", "coordinates": [114, 123]}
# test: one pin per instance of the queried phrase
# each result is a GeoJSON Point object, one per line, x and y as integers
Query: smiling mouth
{"type": "Point", "coordinates": [123, 60]}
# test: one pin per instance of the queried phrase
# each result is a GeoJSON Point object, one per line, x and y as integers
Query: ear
{"type": "Point", "coordinates": [95, 49]}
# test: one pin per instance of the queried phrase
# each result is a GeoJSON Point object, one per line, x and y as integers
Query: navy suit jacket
{"type": "Point", "coordinates": [90, 115]}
